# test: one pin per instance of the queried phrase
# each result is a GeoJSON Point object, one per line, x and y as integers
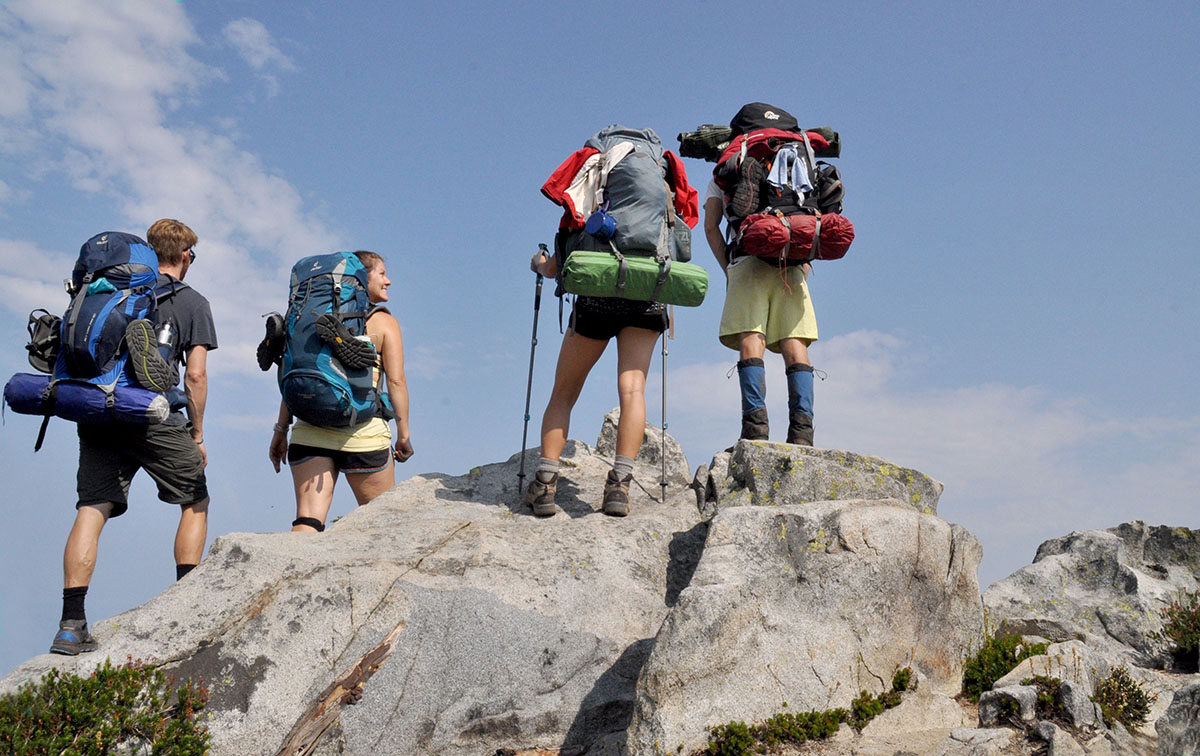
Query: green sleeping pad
{"type": "Point", "coordinates": [596, 274]}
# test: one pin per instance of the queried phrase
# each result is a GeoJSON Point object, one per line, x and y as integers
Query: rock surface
{"type": "Point", "coordinates": [1179, 728]}
{"type": "Point", "coordinates": [809, 605]}
{"type": "Point", "coordinates": [1104, 587]}
{"type": "Point", "coordinates": [444, 618]}
{"type": "Point", "coordinates": [763, 473]}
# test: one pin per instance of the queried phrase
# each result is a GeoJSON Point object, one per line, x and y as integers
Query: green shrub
{"type": "Point", "coordinates": [1181, 624]}
{"type": "Point", "coordinates": [1047, 695]}
{"type": "Point", "coordinates": [131, 704]}
{"type": "Point", "coordinates": [738, 738]}
{"type": "Point", "coordinates": [1122, 699]}
{"type": "Point", "coordinates": [997, 656]}
{"type": "Point", "coordinates": [733, 739]}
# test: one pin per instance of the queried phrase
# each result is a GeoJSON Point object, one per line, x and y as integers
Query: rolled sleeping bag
{"type": "Point", "coordinates": [767, 235]}
{"type": "Point", "coordinates": [83, 402]}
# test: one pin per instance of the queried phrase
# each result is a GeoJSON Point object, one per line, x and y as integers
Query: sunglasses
{"type": "Point", "coordinates": [191, 255]}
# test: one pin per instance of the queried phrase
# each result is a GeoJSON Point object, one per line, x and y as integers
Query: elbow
{"type": "Point", "coordinates": [196, 379]}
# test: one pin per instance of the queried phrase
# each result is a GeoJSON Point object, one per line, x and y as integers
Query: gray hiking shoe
{"type": "Point", "coordinates": [539, 494]}
{"type": "Point", "coordinates": [350, 351]}
{"type": "Point", "coordinates": [73, 638]}
{"type": "Point", "coordinates": [800, 429]}
{"type": "Point", "coordinates": [754, 425]}
{"type": "Point", "coordinates": [616, 494]}
{"type": "Point", "coordinates": [149, 367]}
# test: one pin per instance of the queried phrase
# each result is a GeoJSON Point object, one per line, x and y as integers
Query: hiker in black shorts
{"type": "Point", "coordinates": [364, 453]}
{"type": "Point", "coordinates": [172, 453]}
{"type": "Point", "coordinates": [595, 320]}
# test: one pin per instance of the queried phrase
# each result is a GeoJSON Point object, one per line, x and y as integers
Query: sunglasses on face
{"type": "Point", "coordinates": [191, 255]}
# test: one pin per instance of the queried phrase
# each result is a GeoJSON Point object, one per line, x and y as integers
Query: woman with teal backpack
{"type": "Point", "coordinates": [364, 452]}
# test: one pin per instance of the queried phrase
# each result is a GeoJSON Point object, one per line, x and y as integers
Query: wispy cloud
{"type": "Point", "coordinates": [254, 43]}
{"type": "Point", "coordinates": [1020, 465]}
{"type": "Point", "coordinates": [95, 98]}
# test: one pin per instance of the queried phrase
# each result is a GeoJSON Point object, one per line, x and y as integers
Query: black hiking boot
{"type": "Point", "coordinates": [754, 425]}
{"type": "Point", "coordinates": [616, 494]}
{"type": "Point", "coordinates": [350, 351]}
{"type": "Point", "coordinates": [73, 638]}
{"type": "Point", "coordinates": [800, 429]}
{"type": "Point", "coordinates": [270, 349]}
{"type": "Point", "coordinates": [149, 367]}
{"type": "Point", "coordinates": [539, 494]}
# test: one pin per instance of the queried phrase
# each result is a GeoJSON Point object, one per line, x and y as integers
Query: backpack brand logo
{"type": "Point", "coordinates": [316, 265]}
{"type": "Point", "coordinates": [771, 115]}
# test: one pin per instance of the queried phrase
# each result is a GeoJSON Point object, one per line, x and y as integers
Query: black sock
{"type": "Point", "coordinates": [183, 569]}
{"type": "Point", "coordinates": [73, 603]}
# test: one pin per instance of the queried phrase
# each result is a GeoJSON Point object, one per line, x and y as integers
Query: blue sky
{"type": "Point", "coordinates": [1014, 318]}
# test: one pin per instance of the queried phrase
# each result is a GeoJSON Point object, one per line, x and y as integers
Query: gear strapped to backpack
{"type": "Point", "coordinates": [324, 379]}
{"type": "Point", "coordinates": [628, 212]}
{"type": "Point", "coordinates": [781, 203]}
{"type": "Point", "coordinates": [112, 284]}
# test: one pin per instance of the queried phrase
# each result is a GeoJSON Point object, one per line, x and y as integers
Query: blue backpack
{"type": "Point", "coordinates": [112, 284]}
{"type": "Point", "coordinates": [316, 386]}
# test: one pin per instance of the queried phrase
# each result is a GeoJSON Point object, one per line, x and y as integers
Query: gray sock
{"type": "Point", "coordinates": [548, 467]}
{"type": "Point", "coordinates": [623, 466]}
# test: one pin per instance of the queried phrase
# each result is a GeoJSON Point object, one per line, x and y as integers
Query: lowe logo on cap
{"type": "Point", "coordinates": [772, 115]}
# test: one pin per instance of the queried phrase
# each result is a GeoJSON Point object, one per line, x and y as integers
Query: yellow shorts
{"type": "Point", "coordinates": [756, 301]}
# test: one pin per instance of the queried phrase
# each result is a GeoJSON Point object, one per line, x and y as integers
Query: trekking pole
{"type": "Point", "coordinates": [671, 327]}
{"type": "Point", "coordinates": [537, 306]}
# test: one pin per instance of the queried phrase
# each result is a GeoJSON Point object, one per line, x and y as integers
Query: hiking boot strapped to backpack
{"type": "Point", "coordinates": [327, 371]}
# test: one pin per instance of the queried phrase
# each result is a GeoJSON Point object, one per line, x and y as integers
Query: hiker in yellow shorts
{"type": "Point", "coordinates": [767, 306]}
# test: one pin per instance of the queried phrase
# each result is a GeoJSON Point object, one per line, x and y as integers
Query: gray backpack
{"type": "Point", "coordinates": [630, 185]}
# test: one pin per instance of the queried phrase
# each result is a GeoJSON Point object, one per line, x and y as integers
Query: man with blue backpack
{"type": "Point", "coordinates": [172, 452]}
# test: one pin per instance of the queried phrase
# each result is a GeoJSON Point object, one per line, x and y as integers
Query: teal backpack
{"type": "Point", "coordinates": [316, 386]}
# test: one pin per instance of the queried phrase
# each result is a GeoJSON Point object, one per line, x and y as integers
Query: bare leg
{"type": "Point", "coordinates": [313, 479]}
{"type": "Point", "coordinates": [367, 486]}
{"type": "Point", "coordinates": [795, 351]}
{"type": "Point", "coordinates": [635, 349]}
{"type": "Point", "coordinates": [752, 345]}
{"type": "Point", "coordinates": [192, 532]}
{"type": "Point", "coordinates": [575, 360]}
{"type": "Point", "coordinates": [79, 555]}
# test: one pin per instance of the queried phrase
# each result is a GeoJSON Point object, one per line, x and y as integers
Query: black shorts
{"type": "Point", "coordinates": [111, 453]}
{"type": "Point", "coordinates": [603, 317]}
{"type": "Point", "coordinates": [343, 461]}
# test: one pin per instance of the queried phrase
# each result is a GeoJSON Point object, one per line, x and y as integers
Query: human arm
{"type": "Point", "coordinates": [384, 328]}
{"type": "Point", "coordinates": [195, 387]}
{"type": "Point", "coordinates": [544, 264]}
{"type": "Point", "coordinates": [714, 211]}
{"type": "Point", "coordinates": [277, 451]}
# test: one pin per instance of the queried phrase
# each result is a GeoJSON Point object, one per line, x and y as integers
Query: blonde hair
{"type": "Point", "coordinates": [169, 239]}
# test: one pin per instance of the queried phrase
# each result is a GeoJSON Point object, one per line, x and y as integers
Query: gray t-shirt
{"type": "Point", "coordinates": [191, 320]}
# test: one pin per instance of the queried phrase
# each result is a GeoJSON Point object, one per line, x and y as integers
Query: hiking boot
{"type": "Point", "coordinates": [270, 349]}
{"type": "Point", "coordinates": [73, 638]}
{"type": "Point", "coordinates": [149, 367]}
{"type": "Point", "coordinates": [746, 192]}
{"type": "Point", "coordinates": [616, 494]}
{"type": "Point", "coordinates": [350, 351]}
{"type": "Point", "coordinates": [539, 494]}
{"type": "Point", "coordinates": [800, 429]}
{"type": "Point", "coordinates": [754, 425]}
